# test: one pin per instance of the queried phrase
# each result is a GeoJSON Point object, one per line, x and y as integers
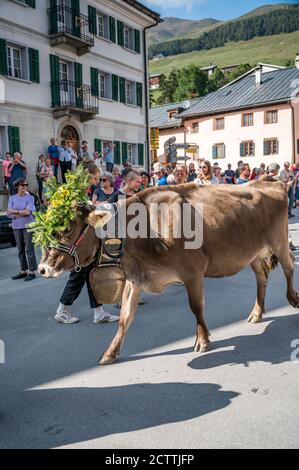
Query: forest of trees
{"type": "Point", "coordinates": [191, 82]}
{"type": "Point", "coordinates": [275, 22]}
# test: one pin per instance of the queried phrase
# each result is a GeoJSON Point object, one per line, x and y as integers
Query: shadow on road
{"type": "Point", "coordinates": [90, 413]}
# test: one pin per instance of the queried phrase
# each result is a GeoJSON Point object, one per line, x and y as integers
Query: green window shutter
{"type": "Point", "coordinates": [124, 152]}
{"type": "Point", "coordinates": [78, 85]}
{"type": "Point", "coordinates": [92, 19]}
{"type": "Point", "coordinates": [53, 17]}
{"type": "Point", "coordinates": [214, 152]}
{"type": "Point", "coordinates": [14, 139]}
{"type": "Point", "coordinates": [55, 89]}
{"type": "Point", "coordinates": [94, 80]}
{"type": "Point", "coordinates": [112, 29]}
{"type": "Point", "coordinates": [117, 153]}
{"type": "Point", "coordinates": [115, 94]}
{"type": "Point", "coordinates": [3, 57]}
{"type": "Point", "coordinates": [30, 3]}
{"type": "Point", "coordinates": [242, 150]}
{"type": "Point", "coordinates": [137, 40]}
{"type": "Point", "coordinates": [141, 154]}
{"type": "Point", "coordinates": [34, 65]}
{"type": "Point", "coordinates": [139, 93]}
{"type": "Point", "coordinates": [98, 145]}
{"type": "Point", "coordinates": [224, 151]}
{"type": "Point", "coordinates": [75, 14]}
{"type": "Point", "coordinates": [298, 146]}
{"type": "Point", "coordinates": [122, 90]}
{"type": "Point", "coordinates": [120, 33]}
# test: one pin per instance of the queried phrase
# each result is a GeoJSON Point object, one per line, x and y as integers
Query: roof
{"type": "Point", "coordinates": [277, 87]}
{"type": "Point", "coordinates": [147, 11]}
{"type": "Point", "coordinates": [158, 116]}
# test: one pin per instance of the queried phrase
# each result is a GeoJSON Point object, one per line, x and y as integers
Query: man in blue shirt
{"type": "Point", "coordinates": [244, 174]}
{"type": "Point", "coordinates": [53, 152]}
{"type": "Point", "coordinates": [17, 170]}
{"type": "Point", "coordinates": [108, 155]}
{"type": "Point", "coordinates": [65, 159]}
{"type": "Point", "coordinates": [229, 175]}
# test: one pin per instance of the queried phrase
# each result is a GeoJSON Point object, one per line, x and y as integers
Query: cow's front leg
{"type": "Point", "coordinates": [129, 304]}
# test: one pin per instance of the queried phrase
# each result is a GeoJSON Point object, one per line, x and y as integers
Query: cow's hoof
{"type": "Point", "coordinates": [254, 319]}
{"type": "Point", "coordinates": [106, 360]}
{"type": "Point", "coordinates": [294, 301]}
{"type": "Point", "coordinates": [205, 348]}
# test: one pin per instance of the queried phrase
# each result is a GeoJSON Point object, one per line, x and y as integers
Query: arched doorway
{"type": "Point", "coordinates": [70, 135]}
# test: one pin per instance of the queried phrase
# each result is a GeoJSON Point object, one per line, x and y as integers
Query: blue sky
{"type": "Point", "coordinates": [199, 9]}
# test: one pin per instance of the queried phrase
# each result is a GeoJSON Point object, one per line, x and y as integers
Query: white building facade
{"type": "Point", "coordinates": [74, 70]}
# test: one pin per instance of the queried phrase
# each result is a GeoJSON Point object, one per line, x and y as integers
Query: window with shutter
{"type": "Point", "coordinates": [92, 19]}
{"type": "Point", "coordinates": [120, 33]}
{"type": "Point", "coordinates": [76, 30]}
{"type": "Point", "coordinates": [122, 89]}
{"type": "Point", "coordinates": [115, 93]}
{"type": "Point", "coordinates": [242, 150]}
{"type": "Point", "coordinates": [117, 159]}
{"type": "Point", "coordinates": [141, 154]}
{"type": "Point", "coordinates": [139, 92]}
{"type": "Point", "coordinates": [98, 145]}
{"type": "Point", "coordinates": [14, 139]}
{"type": "Point", "coordinates": [78, 85]}
{"type": "Point", "coordinates": [94, 80]}
{"type": "Point", "coordinates": [137, 40]}
{"type": "Point", "coordinates": [54, 70]}
{"type": "Point", "coordinates": [112, 29]}
{"type": "Point", "coordinates": [34, 65]}
{"type": "Point", "coordinates": [214, 152]}
{"type": "Point", "coordinates": [124, 152]}
{"type": "Point", "coordinates": [3, 57]}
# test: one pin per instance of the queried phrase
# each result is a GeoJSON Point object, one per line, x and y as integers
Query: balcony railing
{"type": "Point", "coordinates": [67, 25]}
{"type": "Point", "coordinates": [69, 97]}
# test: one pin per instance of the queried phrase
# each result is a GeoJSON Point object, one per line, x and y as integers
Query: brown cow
{"type": "Point", "coordinates": [242, 225]}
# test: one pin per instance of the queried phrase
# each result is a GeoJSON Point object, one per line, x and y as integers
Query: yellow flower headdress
{"type": "Point", "coordinates": [62, 207]}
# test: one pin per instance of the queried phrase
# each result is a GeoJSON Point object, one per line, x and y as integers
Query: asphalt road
{"type": "Point", "coordinates": [160, 394]}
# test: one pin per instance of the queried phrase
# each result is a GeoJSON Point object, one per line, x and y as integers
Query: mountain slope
{"type": "Point", "coordinates": [172, 28]}
{"type": "Point", "coordinates": [176, 28]}
{"type": "Point", "coordinates": [275, 49]}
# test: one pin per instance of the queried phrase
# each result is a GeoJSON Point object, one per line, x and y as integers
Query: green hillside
{"type": "Point", "coordinates": [275, 49]}
{"type": "Point", "coordinates": [173, 28]}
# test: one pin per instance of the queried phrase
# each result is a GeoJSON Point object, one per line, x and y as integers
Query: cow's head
{"type": "Point", "coordinates": [82, 236]}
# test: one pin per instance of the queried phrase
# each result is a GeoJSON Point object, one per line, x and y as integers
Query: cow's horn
{"type": "Point", "coordinates": [99, 218]}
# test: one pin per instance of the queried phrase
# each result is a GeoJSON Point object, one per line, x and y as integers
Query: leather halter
{"type": "Point", "coordinates": [73, 250]}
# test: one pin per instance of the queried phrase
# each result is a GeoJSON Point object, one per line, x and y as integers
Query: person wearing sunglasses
{"type": "Point", "coordinates": [20, 209]}
{"type": "Point", "coordinates": [205, 175]}
{"type": "Point", "coordinates": [106, 189]}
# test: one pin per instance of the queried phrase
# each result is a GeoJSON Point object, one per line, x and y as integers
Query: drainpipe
{"type": "Point", "coordinates": [293, 134]}
{"type": "Point", "coordinates": [146, 92]}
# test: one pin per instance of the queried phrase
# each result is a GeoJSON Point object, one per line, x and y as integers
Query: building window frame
{"type": "Point", "coordinates": [247, 119]}
{"type": "Point", "coordinates": [21, 72]}
{"type": "Point", "coordinates": [195, 127]}
{"type": "Point", "coordinates": [105, 86]}
{"type": "Point", "coordinates": [273, 146]}
{"type": "Point", "coordinates": [219, 150]}
{"type": "Point", "coordinates": [249, 148]}
{"type": "Point", "coordinates": [130, 92]}
{"type": "Point", "coordinates": [102, 26]}
{"type": "Point", "coordinates": [272, 113]}
{"type": "Point", "coordinates": [217, 125]}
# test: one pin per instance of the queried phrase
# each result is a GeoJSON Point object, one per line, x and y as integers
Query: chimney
{"type": "Point", "coordinates": [297, 60]}
{"type": "Point", "coordinates": [258, 76]}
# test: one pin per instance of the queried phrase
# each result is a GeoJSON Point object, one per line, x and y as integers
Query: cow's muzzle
{"type": "Point", "coordinates": [46, 271]}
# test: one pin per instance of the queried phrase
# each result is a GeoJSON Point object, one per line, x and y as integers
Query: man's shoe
{"type": "Point", "coordinates": [104, 317]}
{"type": "Point", "coordinates": [30, 277]}
{"type": "Point", "coordinates": [66, 317]}
{"type": "Point", "coordinates": [292, 247]}
{"type": "Point", "coordinates": [19, 276]}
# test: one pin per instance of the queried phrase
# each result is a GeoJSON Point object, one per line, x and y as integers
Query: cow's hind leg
{"type": "Point", "coordinates": [261, 273]}
{"type": "Point", "coordinates": [129, 304]}
{"type": "Point", "coordinates": [196, 300]}
{"type": "Point", "coordinates": [286, 260]}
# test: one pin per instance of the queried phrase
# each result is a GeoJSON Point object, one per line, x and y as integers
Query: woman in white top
{"type": "Point", "coordinates": [205, 175]}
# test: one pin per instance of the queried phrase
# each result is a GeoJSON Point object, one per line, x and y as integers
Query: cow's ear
{"type": "Point", "coordinates": [98, 218]}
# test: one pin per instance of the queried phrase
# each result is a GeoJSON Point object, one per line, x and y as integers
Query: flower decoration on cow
{"type": "Point", "coordinates": [61, 209]}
